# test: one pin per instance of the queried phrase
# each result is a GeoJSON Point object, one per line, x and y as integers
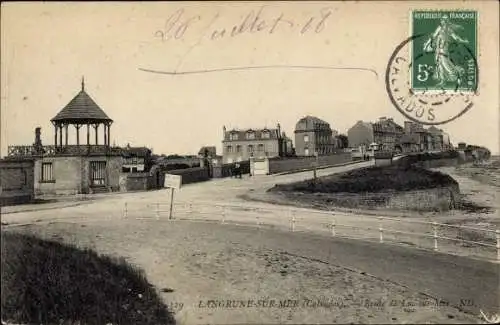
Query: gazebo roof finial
{"type": "Point", "coordinates": [83, 83]}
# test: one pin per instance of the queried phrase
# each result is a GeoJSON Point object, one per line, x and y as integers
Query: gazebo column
{"type": "Point", "coordinates": [60, 135]}
{"type": "Point", "coordinates": [109, 134]}
{"type": "Point", "coordinates": [105, 135]}
{"type": "Point", "coordinates": [55, 135]}
{"type": "Point", "coordinates": [66, 127]}
{"type": "Point", "coordinates": [96, 127]}
{"type": "Point", "coordinates": [77, 126]}
{"type": "Point", "coordinates": [88, 135]}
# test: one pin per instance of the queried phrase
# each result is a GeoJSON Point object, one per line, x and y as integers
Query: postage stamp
{"type": "Point", "coordinates": [433, 76]}
{"type": "Point", "coordinates": [442, 59]}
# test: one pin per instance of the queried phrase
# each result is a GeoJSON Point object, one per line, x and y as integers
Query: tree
{"type": "Point", "coordinates": [344, 141]}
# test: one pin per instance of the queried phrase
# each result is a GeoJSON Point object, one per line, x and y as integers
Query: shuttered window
{"type": "Point", "coordinates": [47, 172]}
{"type": "Point", "coordinates": [98, 172]}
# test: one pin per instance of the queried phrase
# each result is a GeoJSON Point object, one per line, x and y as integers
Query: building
{"type": "Point", "coordinates": [313, 135]}
{"type": "Point", "coordinates": [420, 137]}
{"type": "Point", "coordinates": [436, 137]}
{"type": "Point", "coordinates": [360, 135]}
{"type": "Point", "coordinates": [387, 134]}
{"type": "Point", "coordinates": [241, 145]}
{"type": "Point", "coordinates": [136, 159]}
{"type": "Point", "coordinates": [84, 167]}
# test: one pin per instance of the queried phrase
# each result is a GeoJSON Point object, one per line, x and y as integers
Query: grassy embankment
{"type": "Point", "coordinates": [46, 282]}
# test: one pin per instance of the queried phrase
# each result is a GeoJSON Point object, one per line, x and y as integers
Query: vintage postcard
{"type": "Point", "coordinates": [236, 162]}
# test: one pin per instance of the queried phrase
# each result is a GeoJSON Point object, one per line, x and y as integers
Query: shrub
{"type": "Point", "coordinates": [48, 282]}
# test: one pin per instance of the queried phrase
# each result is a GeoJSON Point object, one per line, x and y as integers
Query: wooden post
{"type": "Point", "coordinates": [157, 210]}
{"type": "Point", "coordinates": [66, 131]}
{"type": "Point", "coordinates": [498, 244]}
{"type": "Point", "coordinates": [77, 126]}
{"type": "Point", "coordinates": [381, 230]}
{"type": "Point", "coordinates": [223, 219]}
{"type": "Point", "coordinates": [171, 203]}
{"type": "Point", "coordinates": [96, 134]}
{"type": "Point", "coordinates": [125, 210]}
{"type": "Point", "coordinates": [88, 134]}
{"type": "Point", "coordinates": [55, 135]}
{"type": "Point", "coordinates": [105, 135]}
{"type": "Point", "coordinates": [60, 135]}
{"type": "Point", "coordinates": [434, 228]}
{"type": "Point", "coordinates": [333, 228]}
{"type": "Point", "coordinates": [292, 221]}
{"type": "Point", "coordinates": [109, 135]}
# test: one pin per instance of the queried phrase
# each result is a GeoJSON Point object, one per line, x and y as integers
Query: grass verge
{"type": "Point", "coordinates": [46, 282]}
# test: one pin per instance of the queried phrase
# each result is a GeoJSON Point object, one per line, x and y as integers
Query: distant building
{"type": "Point", "coordinates": [240, 145]}
{"type": "Point", "coordinates": [387, 134]}
{"type": "Point", "coordinates": [421, 138]}
{"type": "Point", "coordinates": [360, 135]}
{"type": "Point", "coordinates": [436, 138]}
{"type": "Point", "coordinates": [313, 135]}
{"type": "Point", "coordinates": [136, 159]}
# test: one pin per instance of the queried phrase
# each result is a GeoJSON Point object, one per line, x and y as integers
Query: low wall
{"type": "Point", "coordinates": [192, 175]}
{"type": "Point", "coordinates": [17, 181]}
{"type": "Point", "coordinates": [279, 165]}
{"type": "Point", "coordinates": [436, 199]}
{"type": "Point", "coordinates": [135, 182]}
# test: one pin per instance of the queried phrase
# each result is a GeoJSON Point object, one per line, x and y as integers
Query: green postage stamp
{"type": "Point", "coordinates": [444, 50]}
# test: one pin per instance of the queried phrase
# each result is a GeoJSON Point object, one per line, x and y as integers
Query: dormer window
{"type": "Point", "coordinates": [233, 136]}
{"type": "Point", "coordinates": [266, 134]}
{"type": "Point", "coordinates": [250, 135]}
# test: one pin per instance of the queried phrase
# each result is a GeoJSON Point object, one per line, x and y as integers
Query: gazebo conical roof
{"type": "Point", "coordinates": [82, 109]}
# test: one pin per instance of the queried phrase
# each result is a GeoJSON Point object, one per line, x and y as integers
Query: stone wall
{"type": "Point", "coordinates": [135, 182]}
{"type": "Point", "coordinates": [280, 165]}
{"type": "Point", "coordinates": [17, 182]}
{"type": "Point", "coordinates": [436, 199]}
{"type": "Point", "coordinates": [192, 175]}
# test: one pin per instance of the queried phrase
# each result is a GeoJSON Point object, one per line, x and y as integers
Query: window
{"type": "Point", "coordinates": [260, 147]}
{"type": "Point", "coordinates": [229, 149]}
{"type": "Point", "coordinates": [47, 172]}
{"type": "Point", "coordinates": [250, 135]}
{"type": "Point", "coordinates": [250, 148]}
{"type": "Point", "coordinates": [98, 173]}
{"type": "Point", "coordinates": [233, 136]}
{"type": "Point", "coordinates": [238, 148]}
{"type": "Point", "coordinates": [306, 138]}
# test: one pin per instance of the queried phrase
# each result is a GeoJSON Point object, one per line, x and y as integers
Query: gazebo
{"type": "Point", "coordinates": [81, 110]}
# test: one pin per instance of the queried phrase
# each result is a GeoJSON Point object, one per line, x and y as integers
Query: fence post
{"type": "Point", "coordinates": [157, 210]}
{"type": "Point", "coordinates": [258, 221]}
{"type": "Point", "coordinates": [381, 230]}
{"type": "Point", "coordinates": [190, 211]}
{"type": "Point", "coordinates": [333, 228]}
{"type": "Point", "coordinates": [434, 228]}
{"type": "Point", "coordinates": [125, 210]}
{"type": "Point", "coordinates": [223, 214]}
{"type": "Point", "coordinates": [292, 221]}
{"type": "Point", "coordinates": [498, 244]}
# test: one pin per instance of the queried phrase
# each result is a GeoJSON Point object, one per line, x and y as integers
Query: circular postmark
{"type": "Point", "coordinates": [431, 86]}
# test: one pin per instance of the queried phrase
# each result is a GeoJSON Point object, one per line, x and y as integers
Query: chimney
{"type": "Point", "coordinates": [223, 130]}
{"type": "Point", "coordinates": [383, 118]}
{"type": "Point", "coordinates": [278, 126]}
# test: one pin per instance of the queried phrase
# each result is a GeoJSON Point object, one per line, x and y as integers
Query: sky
{"type": "Point", "coordinates": [46, 48]}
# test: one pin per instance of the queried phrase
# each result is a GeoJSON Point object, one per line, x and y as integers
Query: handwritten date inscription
{"type": "Point", "coordinates": [179, 24]}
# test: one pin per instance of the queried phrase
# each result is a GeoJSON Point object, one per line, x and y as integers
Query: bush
{"type": "Point", "coordinates": [48, 282]}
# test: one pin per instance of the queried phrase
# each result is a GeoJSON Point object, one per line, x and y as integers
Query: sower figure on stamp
{"type": "Point", "coordinates": [445, 34]}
